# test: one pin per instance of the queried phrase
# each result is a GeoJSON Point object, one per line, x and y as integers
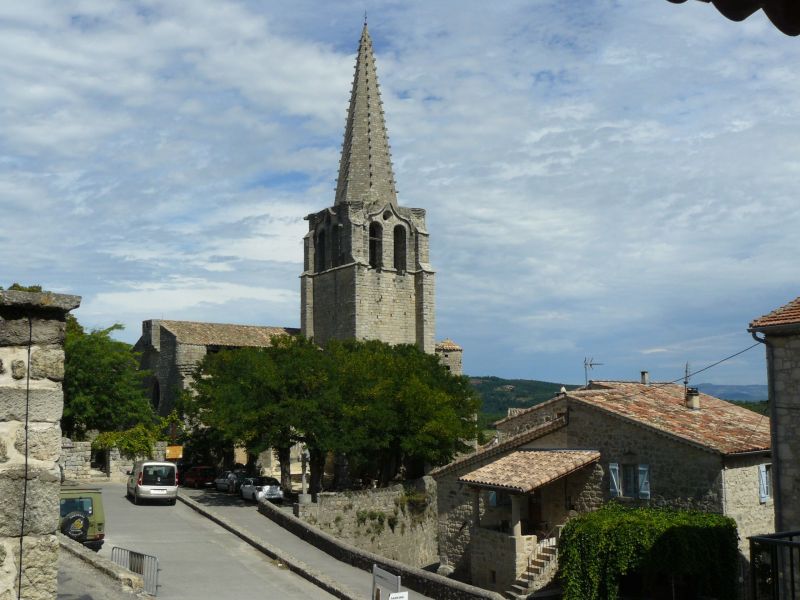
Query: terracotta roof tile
{"type": "Point", "coordinates": [448, 345]}
{"type": "Point", "coordinates": [493, 449]}
{"type": "Point", "coordinates": [222, 334]}
{"type": "Point", "coordinates": [718, 425]}
{"type": "Point", "coordinates": [788, 314]}
{"type": "Point", "coordinates": [525, 470]}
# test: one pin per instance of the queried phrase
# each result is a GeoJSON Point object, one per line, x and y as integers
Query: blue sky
{"type": "Point", "coordinates": [614, 180]}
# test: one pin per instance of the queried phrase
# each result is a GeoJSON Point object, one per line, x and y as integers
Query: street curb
{"type": "Point", "coordinates": [295, 565]}
{"type": "Point", "coordinates": [128, 581]}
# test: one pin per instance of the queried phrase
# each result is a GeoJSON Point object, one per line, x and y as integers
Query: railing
{"type": "Point", "coordinates": [143, 564]}
{"type": "Point", "coordinates": [775, 566]}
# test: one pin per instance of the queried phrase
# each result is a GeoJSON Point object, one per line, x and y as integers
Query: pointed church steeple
{"type": "Point", "coordinates": [365, 169]}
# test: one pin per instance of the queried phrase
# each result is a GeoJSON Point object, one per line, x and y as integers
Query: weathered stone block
{"type": "Point", "coordinates": [44, 441]}
{"type": "Point", "coordinates": [18, 370]}
{"type": "Point", "coordinates": [47, 363]}
{"type": "Point", "coordinates": [44, 405]}
{"type": "Point", "coordinates": [18, 332]}
{"type": "Point", "coordinates": [40, 567]}
{"type": "Point", "coordinates": [41, 511]}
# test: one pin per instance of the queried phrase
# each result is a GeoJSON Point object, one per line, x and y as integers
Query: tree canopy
{"type": "Point", "coordinates": [387, 409]}
{"type": "Point", "coordinates": [103, 388]}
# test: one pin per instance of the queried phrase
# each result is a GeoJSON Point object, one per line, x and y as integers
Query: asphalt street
{"type": "Point", "coordinates": [197, 558]}
{"type": "Point", "coordinates": [245, 516]}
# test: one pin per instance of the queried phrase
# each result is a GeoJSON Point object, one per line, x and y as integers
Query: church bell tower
{"type": "Point", "coordinates": [366, 273]}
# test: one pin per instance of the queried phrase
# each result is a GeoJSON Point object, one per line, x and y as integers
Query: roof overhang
{"type": "Point", "coordinates": [523, 471]}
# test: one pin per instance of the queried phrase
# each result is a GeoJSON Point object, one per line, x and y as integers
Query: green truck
{"type": "Point", "coordinates": [82, 516]}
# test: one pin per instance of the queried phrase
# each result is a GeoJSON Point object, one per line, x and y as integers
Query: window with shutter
{"type": "Point", "coordinates": [613, 475]}
{"type": "Point", "coordinates": [764, 482]}
{"type": "Point", "coordinates": [644, 481]}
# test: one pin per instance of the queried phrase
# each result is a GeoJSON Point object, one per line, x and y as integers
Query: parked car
{"type": "Point", "coordinates": [260, 489]}
{"type": "Point", "coordinates": [200, 476]}
{"type": "Point", "coordinates": [153, 480]}
{"type": "Point", "coordinates": [221, 481]}
{"type": "Point", "coordinates": [82, 515]}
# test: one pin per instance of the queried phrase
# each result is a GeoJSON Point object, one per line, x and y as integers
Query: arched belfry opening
{"type": "Point", "coordinates": [375, 245]}
{"type": "Point", "coordinates": [400, 251]}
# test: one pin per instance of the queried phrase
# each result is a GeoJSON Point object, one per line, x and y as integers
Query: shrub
{"type": "Point", "coordinates": [598, 549]}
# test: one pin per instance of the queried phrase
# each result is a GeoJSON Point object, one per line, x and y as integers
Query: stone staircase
{"type": "Point", "coordinates": [541, 570]}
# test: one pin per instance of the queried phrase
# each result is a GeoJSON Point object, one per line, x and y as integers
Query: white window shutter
{"type": "Point", "coordinates": [613, 475]}
{"type": "Point", "coordinates": [644, 481]}
{"type": "Point", "coordinates": [763, 492]}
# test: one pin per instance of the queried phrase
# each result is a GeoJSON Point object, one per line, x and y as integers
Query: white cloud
{"type": "Point", "coordinates": [615, 180]}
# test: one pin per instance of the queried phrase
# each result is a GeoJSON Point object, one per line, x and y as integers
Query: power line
{"type": "Point", "coordinates": [688, 375]}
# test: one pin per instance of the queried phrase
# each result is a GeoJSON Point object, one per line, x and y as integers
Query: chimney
{"type": "Point", "coordinates": [645, 378]}
{"type": "Point", "coordinates": [692, 398]}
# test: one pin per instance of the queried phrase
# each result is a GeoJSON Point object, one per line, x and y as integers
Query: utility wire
{"type": "Point", "coordinates": [711, 365]}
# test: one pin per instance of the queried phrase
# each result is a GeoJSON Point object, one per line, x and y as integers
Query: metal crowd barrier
{"type": "Point", "coordinates": [143, 564]}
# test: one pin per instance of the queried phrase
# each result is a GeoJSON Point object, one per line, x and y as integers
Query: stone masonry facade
{"type": "Point", "coordinates": [32, 327]}
{"type": "Point", "coordinates": [398, 523]}
{"type": "Point", "coordinates": [783, 364]}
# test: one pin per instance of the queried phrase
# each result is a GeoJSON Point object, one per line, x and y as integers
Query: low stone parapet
{"type": "Point", "coordinates": [419, 580]}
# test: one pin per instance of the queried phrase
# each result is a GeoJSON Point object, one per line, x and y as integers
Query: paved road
{"type": "Point", "coordinates": [245, 516]}
{"type": "Point", "coordinates": [198, 559]}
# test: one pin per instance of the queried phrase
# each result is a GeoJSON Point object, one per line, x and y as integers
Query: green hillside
{"type": "Point", "coordinates": [498, 395]}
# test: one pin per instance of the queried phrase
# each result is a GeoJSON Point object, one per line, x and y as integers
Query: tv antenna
{"type": "Point", "coordinates": [686, 377]}
{"type": "Point", "coordinates": [588, 364]}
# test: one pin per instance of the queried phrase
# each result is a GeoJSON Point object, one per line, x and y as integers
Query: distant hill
{"type": "Point", "coordinates": [736, 393]}
{"type": "Point", "coordinates": [499, 394]}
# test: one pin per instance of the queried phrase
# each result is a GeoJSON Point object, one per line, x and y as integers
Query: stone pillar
{"type": "Point", "coordinates": [516, 523]}
{"type": "Point", "coordinates": [31, 402]}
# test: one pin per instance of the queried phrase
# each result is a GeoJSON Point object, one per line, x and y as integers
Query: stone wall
{"type": "Point", "coordinates": [394, 522]}
{"type": "Point", "coordinates": [75, 460]}
{"type": "Point", "coordinates": [523, 421]}
{"type": "Point", "coordinates": [681, 475]}
{"type": "Point", "coordinates": [494, 557]}
{"type": "Point", "coordinates": [784, 371]}
{"type": "Point", "coordinates": [742, 501]}
{"type": "Point", "coordinates": [422, 581]}
{"type": "Point", "coordinates": [32, 329]}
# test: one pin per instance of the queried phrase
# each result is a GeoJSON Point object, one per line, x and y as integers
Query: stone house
{"type": "Point", "coordinates": [501, 508]}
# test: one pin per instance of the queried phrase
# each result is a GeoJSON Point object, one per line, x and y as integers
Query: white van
{"type": "Point", "coordinates": [153, 480]}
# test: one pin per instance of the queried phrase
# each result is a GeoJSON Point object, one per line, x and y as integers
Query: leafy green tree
{"type": "Point", "coordinates": [402, 409]}
{"type": "Point", "coordinates": [103, 387]}
{"type": "Point", "coordinates": [240, 393]}
{"type": "Point", "coordinates": [388, 409]}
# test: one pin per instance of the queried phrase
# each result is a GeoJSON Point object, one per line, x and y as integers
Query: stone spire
{"type": "Point", "coordinates": [365, 169]}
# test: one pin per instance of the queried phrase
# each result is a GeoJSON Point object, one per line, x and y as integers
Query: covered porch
{"type": "Point", "coordinates": [520, 502]}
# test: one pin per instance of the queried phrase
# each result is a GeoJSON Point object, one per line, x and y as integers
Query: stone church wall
{"type": "Point", "coordinates": [392, 522]}
{"type": "Point", "coordinates": [386, 307]}
{"type": "Point", "coordinates": [30, 392]}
